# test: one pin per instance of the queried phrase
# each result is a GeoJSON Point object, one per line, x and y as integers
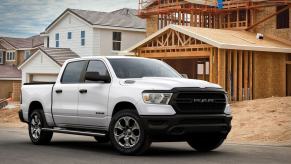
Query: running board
{"type": "Point", "coordinates": [66, 131]}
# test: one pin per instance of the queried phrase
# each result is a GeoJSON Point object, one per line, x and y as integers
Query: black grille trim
{"type": "Point", "coordinates": [198, 100]}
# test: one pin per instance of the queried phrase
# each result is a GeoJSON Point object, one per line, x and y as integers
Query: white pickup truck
{"type": "Point", "coordinates": [128, 101]}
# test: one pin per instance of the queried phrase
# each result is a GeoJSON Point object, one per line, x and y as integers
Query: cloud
{"type": "Point", "coordinates": [24, 18]}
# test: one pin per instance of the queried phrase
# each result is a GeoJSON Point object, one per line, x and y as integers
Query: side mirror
{"type": "Point", "coordinates": [95, 76]}
{"type": "Point", "coordinates": [184, 76]}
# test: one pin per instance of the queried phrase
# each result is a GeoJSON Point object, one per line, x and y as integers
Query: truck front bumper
{"type": "Point", "coordinates": [181, 127]}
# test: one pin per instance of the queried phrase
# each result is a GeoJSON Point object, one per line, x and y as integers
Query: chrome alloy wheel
{"type": "Point", "coordinates": [126, 132]}
{"type": "Point", "coordinates": [35, 127]}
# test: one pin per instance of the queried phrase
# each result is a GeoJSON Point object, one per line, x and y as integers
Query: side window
{"type": "Point", "coordinates": [73, 72]}
{"type": "Point", "coordinates": [1, 57]}
{"type": "Point", "coordinates": [97, 66]}
{"type": "Point", "coordinates": [82, 38]}
{"type": "Point", "coordinates": [116, 41]}
{"type": "Point", "coordinates": [57, 38]}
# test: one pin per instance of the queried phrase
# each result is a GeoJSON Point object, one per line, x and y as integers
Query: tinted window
{"type": "Point", "coordinates": [73, 72]}
{"type": "Point", "coordinates": [97, 66]}
{"type": "Point", "coordinates": [138, 68]}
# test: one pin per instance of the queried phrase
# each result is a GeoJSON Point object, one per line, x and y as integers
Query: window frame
{"type": "Point", "coordinates": [1, 57]}
{"type": "Point", "coordinates": [57, 40]}
{"type": "Point", "coordinates": [69, 35]}
{"type": "Point", "coordinates": [116, 41]}
{"type": "Point", "coordinates": [82, 72]}
{"type": "Point", "coordinates": [83, 38]}
{"type": "Point", "coordinates": [25, 54]}
{"type": "Point", "coordinates": [106, 66]}
{"type": "Point", "coordinates": [10, 56]}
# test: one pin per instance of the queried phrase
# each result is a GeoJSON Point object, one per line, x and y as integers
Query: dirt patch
{"type": "Point", "coordinates": [9, 118]}
{"type": "Point", "coordinates": [262, 121]}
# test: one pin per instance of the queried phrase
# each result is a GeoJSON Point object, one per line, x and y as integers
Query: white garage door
{"type": "Point", "coordinates": [44, 77]}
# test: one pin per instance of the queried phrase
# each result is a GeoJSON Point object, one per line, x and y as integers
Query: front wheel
{"type": "Point", "coordinates": [127, 133]}
{"type": "Point", "coordinates": [206, 143]}
{"type": "Point", "coordinates": [36, 134]}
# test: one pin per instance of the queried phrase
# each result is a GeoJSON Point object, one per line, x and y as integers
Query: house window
{"type": "Point", "coordinates": [69, 35]}
{"type": "Point", "coordinates": [282, 18]}
{"type": "Point", "coordinates": [116, 41]}
{"type": "Point", "coordinates": [26, 54]}
{"type": "Point", "coordinates": [57, 38]}
{"type": "Point", "coordinates": [1, 57]}
{"type": "Point", "coordinates": [10, 56]}
{"type": "Point", "coordinates": [82, 38]}
{"type": "Point", "coordinates": [48, 42]}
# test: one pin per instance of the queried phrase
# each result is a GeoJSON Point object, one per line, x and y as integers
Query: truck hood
{"type": "Point", "coordinates": [160, 83]}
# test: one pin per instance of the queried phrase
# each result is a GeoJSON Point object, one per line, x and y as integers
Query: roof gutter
{"type": "Point", "coordinates": [119, 28]}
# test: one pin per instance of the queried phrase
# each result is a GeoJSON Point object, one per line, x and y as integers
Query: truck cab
{"type": "Point", "coordinates": [129, 101]}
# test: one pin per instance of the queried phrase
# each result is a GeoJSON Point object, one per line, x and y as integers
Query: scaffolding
{"type": "Point", "coordinates": [220, 14]}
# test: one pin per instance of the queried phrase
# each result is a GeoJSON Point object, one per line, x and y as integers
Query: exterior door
{"type": "Point", "coordinates": [66, 95]}
{"type": "Point", "coordinates": [92, 108]}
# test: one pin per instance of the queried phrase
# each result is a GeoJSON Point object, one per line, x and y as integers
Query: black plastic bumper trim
{"type": "Point", "coordinates": [185, 125]}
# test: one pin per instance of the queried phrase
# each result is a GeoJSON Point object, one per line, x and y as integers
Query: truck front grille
{"type": "Point", "coordinates": [199, 102]}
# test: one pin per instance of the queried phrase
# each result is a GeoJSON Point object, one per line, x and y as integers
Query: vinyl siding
{"type": "Point", "coordinates": [128, 39]}
{"type": "Point", "coordinates": [71, 23]}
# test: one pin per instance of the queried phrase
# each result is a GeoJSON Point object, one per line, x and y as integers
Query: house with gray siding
{"type": "Point", "coordinates": [94, 33]}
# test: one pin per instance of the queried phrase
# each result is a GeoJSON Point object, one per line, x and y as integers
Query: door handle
{"type": "Point", "coordinates": [59, 91]}
{"type": "Point", "coordinates": [83, 91]}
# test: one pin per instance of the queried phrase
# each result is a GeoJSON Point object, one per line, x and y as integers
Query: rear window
{"type": "Point", "coordinates": [73, 72]}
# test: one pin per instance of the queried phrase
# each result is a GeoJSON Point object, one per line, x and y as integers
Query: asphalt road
{"type": "Point", "coordinates": [15, 148]}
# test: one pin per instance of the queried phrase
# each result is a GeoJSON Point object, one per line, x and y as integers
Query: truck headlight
{"type": "Point", "coordinates": [156, 98]}
{"type": "Point", "coordinates": [227, 109]}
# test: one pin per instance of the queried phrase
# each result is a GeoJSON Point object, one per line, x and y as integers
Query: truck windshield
{"type": "Point", "coordinates": [140, 67]}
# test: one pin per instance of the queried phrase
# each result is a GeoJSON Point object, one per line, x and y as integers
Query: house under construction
{"type": "Point", "coordinates": [243, 45]}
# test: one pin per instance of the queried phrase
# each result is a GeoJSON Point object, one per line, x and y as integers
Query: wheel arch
{"type": "Point", "coordinates": [123, 105]}
{"type": "Point", "coordinates": [34, 105]}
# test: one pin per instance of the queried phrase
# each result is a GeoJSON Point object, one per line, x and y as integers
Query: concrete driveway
{"type": "Point", "coordinates": [15, 147]}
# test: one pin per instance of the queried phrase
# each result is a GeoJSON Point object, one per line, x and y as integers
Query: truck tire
{"type": "Point", "coordinates": [36, 123]}
{"type": "Point", "coordinates": [127, 133]}
{"type": "Point", "coordinates": [206, 143]}
{"type": "Point", "coordinates": [101, 139]}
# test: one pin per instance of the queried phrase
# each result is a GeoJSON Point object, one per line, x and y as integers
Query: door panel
{"type": "Point", "coordinates": [92, 107]}
{"type": "Point", "coordinates": [66, 95]}
{"type": "Point", "coordinates": [65, 104]}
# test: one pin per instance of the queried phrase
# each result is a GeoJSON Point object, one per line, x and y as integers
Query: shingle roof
{"type": "Point", "coordinates": [9, 71]}
{"type": "Point", "coordinates": [124, 18]}
{"type": "Point", "coordinates": [59, 55]}
{"type": "Point", "coordinates": [19, 43]}
{"type": "Point", "coordinates": [225, 39]}
{"type": "Point", "coordinates": [1, 47]}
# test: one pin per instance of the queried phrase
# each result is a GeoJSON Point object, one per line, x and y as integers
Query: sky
{"type": "Point", "coordinates": [25, 18]}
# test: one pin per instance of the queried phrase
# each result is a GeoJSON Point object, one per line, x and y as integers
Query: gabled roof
{"type": "Point", "coordinates": [9, 72]}
{"type": "Point", "coordinates": [22, 43]}
{"type": "Point", "coordinates": [224, 39]}
{"type": "Point", "coordinates": [124, 18]}
{"type": "Point", "coordinates": [58, 55]}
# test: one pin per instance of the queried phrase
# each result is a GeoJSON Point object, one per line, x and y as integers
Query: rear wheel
{"type": "Point", "coordinates": [206, 143]}
{"type": "Point", "coordinates": [127, 133]}
{"type": "Point", "coordinates": [36, 134]}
